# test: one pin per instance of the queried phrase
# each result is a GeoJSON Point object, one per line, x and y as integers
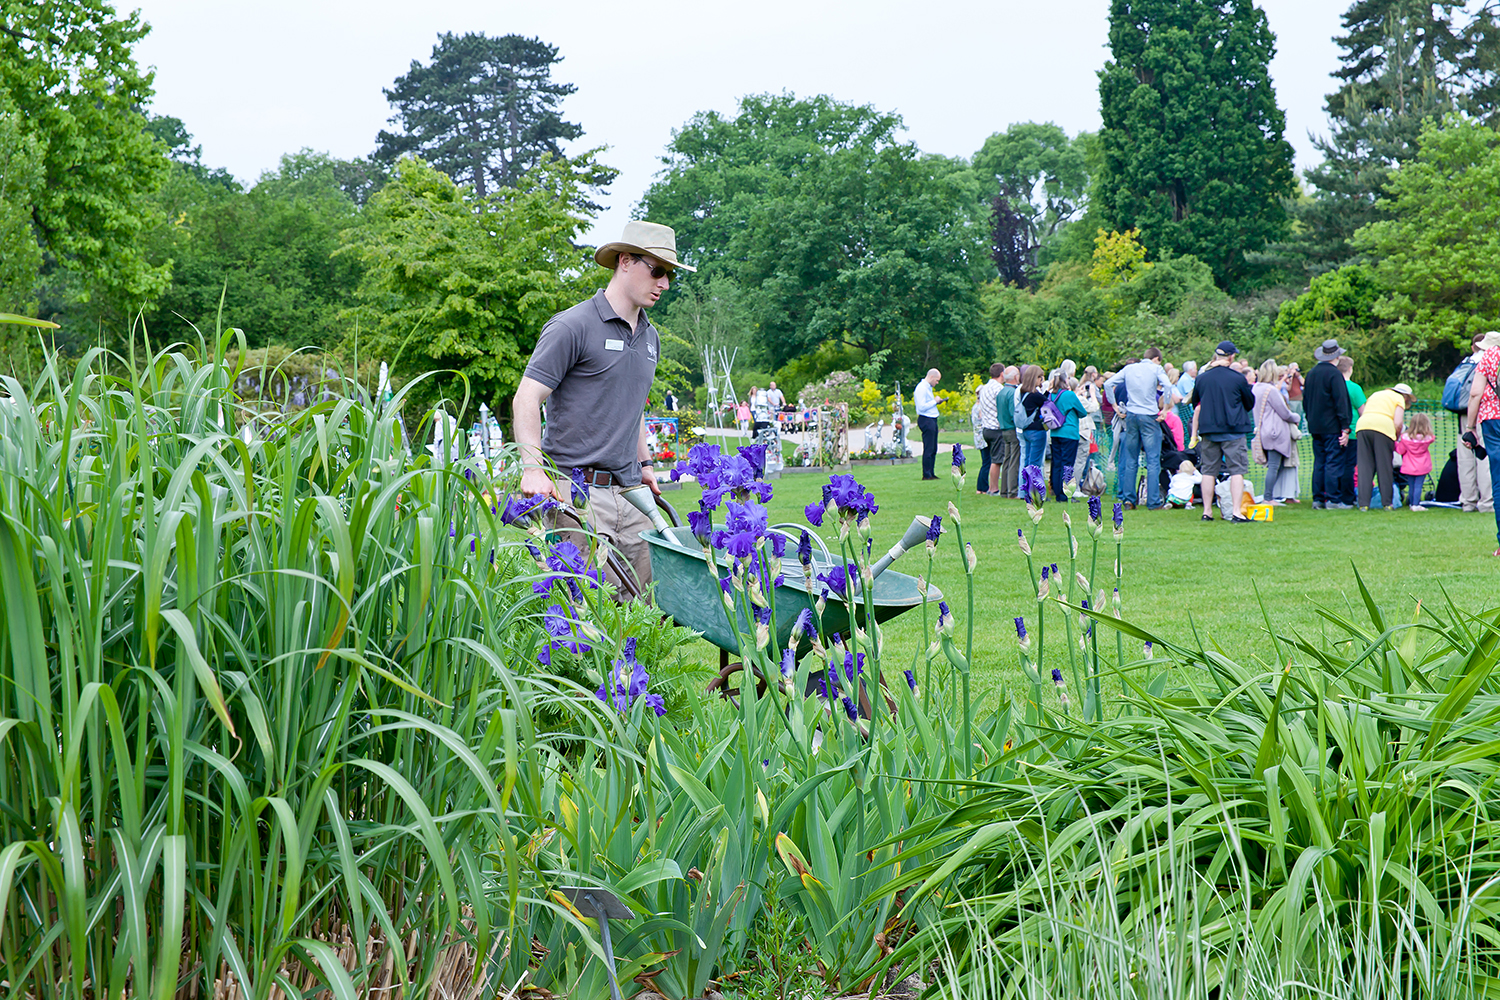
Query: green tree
{"type": "Point", "coordinates": [1404, 62]}
{"type": "Point", "coordinates": [1048, 170]}
{"type": "Point", "coordinates": [20, 186]}
{"type": "Point", "coordinates": [843, 233]}
{"type": "Point", "coordinates": [717, 168]}
{"type": "Point", "coordinates": [70, 96]}
{"type": "Point", "coordinates": [485, 111]}
{"type": "Point", "coordinates": [880, 249]}
{"type": "Point", "coordinates": [1438, 254]}
{"type": "Point", "coordinates": [268, 255]}
{"type": "Point", "coordinates": [1192, 142]}
{"type": "Point", "coordinates": [462, 283]}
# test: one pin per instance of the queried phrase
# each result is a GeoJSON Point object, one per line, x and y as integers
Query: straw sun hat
{"type": "Point", "coordinates": [643, 238]}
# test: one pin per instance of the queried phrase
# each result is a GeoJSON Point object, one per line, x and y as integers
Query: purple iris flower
{"type": "Point", "coordinates": [803, 625]}
{"type": "Point", "coordinates": [1033, 485]}
{"type": "Point", "coordinates": [1057, 677]}
{"type": "Point", "coordinates": [1095, 507]}
{"type": "Point", "coordinates": [628, 681]}
{"type": "Point", "coordinates": [849, 667]}
{"type": "Point", "coordinates": [763, 616]}
{"type": "Point", "coordinates": [804, 548]}
{"type": "Point", "coordinates": [911, 680]}
{"type": "Point", "coordinates": [1045, 571]}
{"type": "Point", "coordinates": [958, 456]}
{"type": "Point", "coordinates": [778, 545]}
{"type": "Point", "coordinates": [1119, 515]}
{"type": "Point", "coordinates": [935, 528]}
{"type": "Point", "coordinates": [755, 455]}
{"type": "Point", "coordinates": [850, 710]}
{"type": "Point", "coordinates": [701, 523]}
{"type": "Point", "coordinates": [837, 579]}
{"type": "Point", "coordinates": [849, 496]}
{"type": "Point", "coordinates": [567, 558]}
{"type": "Point", "coordinates": [788, 662]}
{"type": "Point", "coordinates": [579, 479]}
{"type": "Point", "coordinates": [1020, 628]}
{"type": "Point", "coordinates": [814, 514]}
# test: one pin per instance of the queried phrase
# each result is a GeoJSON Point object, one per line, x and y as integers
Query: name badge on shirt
{"type": "Point", "coordinates": [614, 345]}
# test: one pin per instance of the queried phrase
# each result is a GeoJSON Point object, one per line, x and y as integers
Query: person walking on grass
{"type": "Point", "coordinates": [1326, 406]}
{"type": "Point", "coordinates": [1351, 449]}
{"type": "Point", "coordinates": [1484, 413]}
{"type": "Point", "coordinates": [1144, 382]}
{"type": "Point", "coordinates": [1274, 421]}
{"type": "Point", "coordinates": [1375, 440]}
{"type": "Point", "coordinates": [927, 419]}
{"type": "Point", "coordinates": [1065, 437]}
{"type": "Point", "coordinates": [987, 402]}
{"type": "Point", "coordinates": [593, 367]}
{"type": "Point", "coordinates": [1010, 442]}
{"type": "Point", "coordinates": [1030, 395]}
{"type": "Point", "coordinates": [1222, 401]}
{"type": "Point", "coordinates": [1473, 472]}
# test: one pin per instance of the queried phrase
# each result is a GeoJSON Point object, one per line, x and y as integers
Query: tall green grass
{"type": "Point", "coordinates": [1319, 825]}
{"type": "Point", "coordinates": [244, 716]}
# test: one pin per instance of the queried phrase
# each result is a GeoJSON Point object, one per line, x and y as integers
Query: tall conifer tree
{"type": "Point", "coordinates": [1193, 148]}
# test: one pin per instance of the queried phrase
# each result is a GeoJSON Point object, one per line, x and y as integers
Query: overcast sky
{"type": "Point", "coordinates": [252, 81]}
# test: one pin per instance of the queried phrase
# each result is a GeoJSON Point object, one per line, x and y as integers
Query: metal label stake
{"type": "Point", "coordinates": [603, 906]}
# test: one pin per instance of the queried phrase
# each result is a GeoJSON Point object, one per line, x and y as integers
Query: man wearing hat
{"type": "Point", "coordinates": [1375, 440]}
{"type": "Point", "coordinates": [1325, 401]}
{"type": "Point", "coordinates": [1223, 399]}
{"type": "Point", "coordinates": [593, 367]}
{"type": "Point", "coordinates": [1484, 413]}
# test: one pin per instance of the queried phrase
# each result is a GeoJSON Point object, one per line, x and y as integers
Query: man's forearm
{"type": "Point", "coordinates": [642, 446]}
{"type": "Point", "coordinates": [527, 425]}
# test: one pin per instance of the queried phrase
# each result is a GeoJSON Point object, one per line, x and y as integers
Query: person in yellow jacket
{"type": "Point", "coordinates": [1375, 441]}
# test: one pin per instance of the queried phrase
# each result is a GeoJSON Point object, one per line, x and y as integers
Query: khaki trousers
{"type": "Point", "coordinates": [618, 526]}
{"type": "Point", "coordinates": [1473, 475]}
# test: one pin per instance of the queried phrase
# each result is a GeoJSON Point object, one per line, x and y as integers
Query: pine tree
{"type": "Point", "coordinates": [1193, 147]}
{"type": "Point", "coordinates": [1404, 62]}
{"type": "Point", "coordinates": [485, 111]}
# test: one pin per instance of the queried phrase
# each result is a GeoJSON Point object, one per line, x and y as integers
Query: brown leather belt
{"type": "Point", "coordinates": [597, 477]}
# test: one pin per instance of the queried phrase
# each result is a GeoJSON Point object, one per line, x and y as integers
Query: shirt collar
{"type": "Point", "coordinates": [607, 313]}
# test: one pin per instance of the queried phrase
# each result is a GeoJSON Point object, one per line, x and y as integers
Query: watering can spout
{"type": "Point", "coordinates": [643, 500]}
{"type": "Point", "coordinates": [915, 535]}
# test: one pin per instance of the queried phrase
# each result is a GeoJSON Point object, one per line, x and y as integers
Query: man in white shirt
{"type": "Point", "coordinates": [927, 414]}
{"type": "Point", "coordinates": [775, 398]}
{"type": "Point", "coordinates": [989, 423]}
{"type": "Point", "coordinates": [1144, 383]}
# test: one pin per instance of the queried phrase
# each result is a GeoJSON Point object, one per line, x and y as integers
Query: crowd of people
{"type": "Point", "coordinates": [1178, 438]}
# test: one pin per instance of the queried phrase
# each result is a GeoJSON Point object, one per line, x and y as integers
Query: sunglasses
{"type": "Point", "coordinates": [658, 271]}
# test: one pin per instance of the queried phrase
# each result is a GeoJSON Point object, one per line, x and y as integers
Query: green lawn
{"type": "Point", "coordinates": [1179, 573]}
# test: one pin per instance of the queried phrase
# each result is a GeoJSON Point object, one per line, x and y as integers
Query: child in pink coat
{"type": "Point", "coordinates": [1416, 437]}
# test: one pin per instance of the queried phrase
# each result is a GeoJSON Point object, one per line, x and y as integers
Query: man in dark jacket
{"type": "Point", "coordinates": [1223, 400]}
{"type": "Point", "coordinates": [1325, 401]}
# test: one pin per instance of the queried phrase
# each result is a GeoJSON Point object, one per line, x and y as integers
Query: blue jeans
{"type": "Point", "coordinates": [1033, 447]}
{"type": "Point", "coordinates": [982, 484]}
{"type": "Point", "coordinates": [1490, 431]}
{"type": "Point", "coordinates": [1328, 468]}
{"type": "Point", "coordinates": [1142, 433]}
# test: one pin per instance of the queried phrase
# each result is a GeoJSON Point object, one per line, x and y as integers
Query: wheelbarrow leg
{"type": "Point", "coordinates": [609, 954]}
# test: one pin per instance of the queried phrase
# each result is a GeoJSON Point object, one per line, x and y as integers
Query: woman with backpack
{"type": "Point", "coordinates": [1029, 401]}
{"type": "Point", "coordinates": [1061, 418]}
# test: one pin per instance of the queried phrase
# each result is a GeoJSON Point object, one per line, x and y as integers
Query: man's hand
{"type": "Point", "coordinates": [1344, 438]}
{"type": "Point", "coordinates": [536, 482]}
{"type": "Point", "coordinates": [648, 476]}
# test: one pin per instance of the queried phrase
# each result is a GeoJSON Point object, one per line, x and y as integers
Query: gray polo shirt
{"type": "Point", "coordinates": [599, 371]}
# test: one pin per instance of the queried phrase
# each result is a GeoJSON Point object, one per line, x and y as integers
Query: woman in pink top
{"type": "Point", "coordinates": [1416, 461]}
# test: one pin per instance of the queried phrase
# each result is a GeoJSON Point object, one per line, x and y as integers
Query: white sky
{"type": "Point", "coordinates": [252, 81]}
